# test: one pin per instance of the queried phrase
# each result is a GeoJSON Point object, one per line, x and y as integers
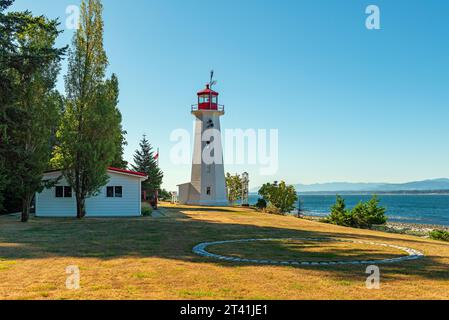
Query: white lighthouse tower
{"type": "Point", "coordinates": [207, 186]}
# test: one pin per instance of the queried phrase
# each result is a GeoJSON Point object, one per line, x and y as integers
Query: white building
{"type": "Point", "coordinates": [120, 197]}
{"type": "Point", "coordinates": [207, 185]}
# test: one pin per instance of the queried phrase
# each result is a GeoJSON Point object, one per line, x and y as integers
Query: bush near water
{"type": "Point", "coordinates": [439, 235]}
{"type": "Point", "coordinates": [277, 198]}
{"type": "Point", "coordinates": [363, 215]}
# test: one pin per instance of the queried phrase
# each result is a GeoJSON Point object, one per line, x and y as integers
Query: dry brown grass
{"type": "Point", "coordinates": [148, 258]}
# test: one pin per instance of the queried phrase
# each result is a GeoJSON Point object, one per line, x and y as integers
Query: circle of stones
{"type": "Point", "coordinates": [413, 254]}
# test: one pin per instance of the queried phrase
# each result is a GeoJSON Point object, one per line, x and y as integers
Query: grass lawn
{"type": "Point", "coordinates": [151, 258]}
{"type": "Point", "coordinates": [294, 250]}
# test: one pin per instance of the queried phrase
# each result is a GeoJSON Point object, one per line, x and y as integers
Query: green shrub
{"type": "Point", "coordinates": [261, 204]}
{"type": "Point", "coordinates": [279, 195]}
{"type": "Point", "coordinates": [147, 211]}
{"type": "Point", "coordinates": [363, 215]}
{"type": "Point", "coordinates": [439, 235]}
{"type": "Point", "coordinates": [271, 208]}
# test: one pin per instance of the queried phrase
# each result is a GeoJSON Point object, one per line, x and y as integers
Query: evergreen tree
{"type": "Point", "coordinates": [363, 215]}
{"type": "Point", "coordinates": [375, 213]}
{"type": "Point", "coordinates": [29, 104]}
{"type": "Point", "coordinates": [90, 126]}
{"type": "Point", "coordinates": [358, 217]}
{"type": "Point", "coordinates": [8, 89]}
{"type": "Point", "coordinates": [339, 214]}
{"type": "Point", "coordinates": [3, 182]}
{"type": "Point", "coordinates": [145, 162]}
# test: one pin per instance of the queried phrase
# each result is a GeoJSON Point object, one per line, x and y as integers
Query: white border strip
{"type": "Point", "coordinates": [413, 254]}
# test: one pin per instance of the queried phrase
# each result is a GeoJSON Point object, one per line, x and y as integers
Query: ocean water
{"type": "Point", "coordinates": [422, 209]}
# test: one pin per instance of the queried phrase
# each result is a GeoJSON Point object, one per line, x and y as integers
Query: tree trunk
{"type": "Point", "coordinates": [83, 207]}
{"type": "Point", "coordinates": [80, 207]}
{"type": "Point", "coordinates": [26, 209]}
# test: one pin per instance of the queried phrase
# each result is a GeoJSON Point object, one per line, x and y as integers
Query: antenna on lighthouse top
{"type": "Point", "coordinates": [212, 81]}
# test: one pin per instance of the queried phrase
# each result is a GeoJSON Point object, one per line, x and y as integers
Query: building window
{"type": "Point", "coordinates": [114, 192]}
{"type": "Point", "coordinates": [63, 192]}
{"type": "Point", "coordinates": [59, 192]}
{"type": "Point", "coordinates": [118, 192]}
{"type": "Point", "coordinates": [67, 192]}
{"type": "Point", "coordinates": [208, 191]}
{"type": "Point", "coordinates": [110, 192]}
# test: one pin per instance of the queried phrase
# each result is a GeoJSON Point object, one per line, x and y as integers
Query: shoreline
{"type": "Point", "coordinates": [418, 229]}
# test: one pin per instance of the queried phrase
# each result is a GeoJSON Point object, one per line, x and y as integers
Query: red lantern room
{"type": "Point", "coordinates": [207, 99]}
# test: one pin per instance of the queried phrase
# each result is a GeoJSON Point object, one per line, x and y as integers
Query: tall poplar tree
{"type": "Point", "coordinates": [91, 124]}
{"type": "Point", "coordinates": [118, 161]}
{"type": "Point", "coordinates": [144, 161]}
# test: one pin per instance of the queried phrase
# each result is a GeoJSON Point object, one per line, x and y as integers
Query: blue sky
{"type": "Point", "coordinates": [350, 104]}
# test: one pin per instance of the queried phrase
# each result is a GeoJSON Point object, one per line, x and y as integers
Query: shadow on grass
{"type": "Point", "coordinates": [207, 209]}
{"type": "Point", "coordinates": [175, 236]}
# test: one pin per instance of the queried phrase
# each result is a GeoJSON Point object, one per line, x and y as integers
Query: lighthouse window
{"type": "Point", "coordinates": [208, 191]}
{"type": "Point", "coordinates": [204, 99]}
{"type": "Point", "coordinates": [214, 99]}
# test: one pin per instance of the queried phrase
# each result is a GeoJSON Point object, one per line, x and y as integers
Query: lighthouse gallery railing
{"type": "Point", "coordinates": [220, 107]}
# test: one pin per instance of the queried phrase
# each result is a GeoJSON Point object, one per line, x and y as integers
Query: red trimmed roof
{"type": "Point", "coordinates": [141, 174]}
{"type": "Point", "coordinates": [135, 173]}
{"type": "Point", "coordinates": [208, 91]}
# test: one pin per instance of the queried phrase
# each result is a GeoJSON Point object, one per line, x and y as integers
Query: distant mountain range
{"type": "Point", "coordinates": [335, 187]}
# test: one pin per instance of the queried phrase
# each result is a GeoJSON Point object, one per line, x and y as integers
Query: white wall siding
{"type": "Point", "coordinates": [128, 205]}
{"type": "Point", "coordinates": [47, 205]}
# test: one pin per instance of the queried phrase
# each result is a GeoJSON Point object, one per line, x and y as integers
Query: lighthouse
{"type": "Point", "coordinates": [207, 185]}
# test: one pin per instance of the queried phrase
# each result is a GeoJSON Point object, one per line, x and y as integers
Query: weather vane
{"type": "Point", "coordinates": [212, 81]}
